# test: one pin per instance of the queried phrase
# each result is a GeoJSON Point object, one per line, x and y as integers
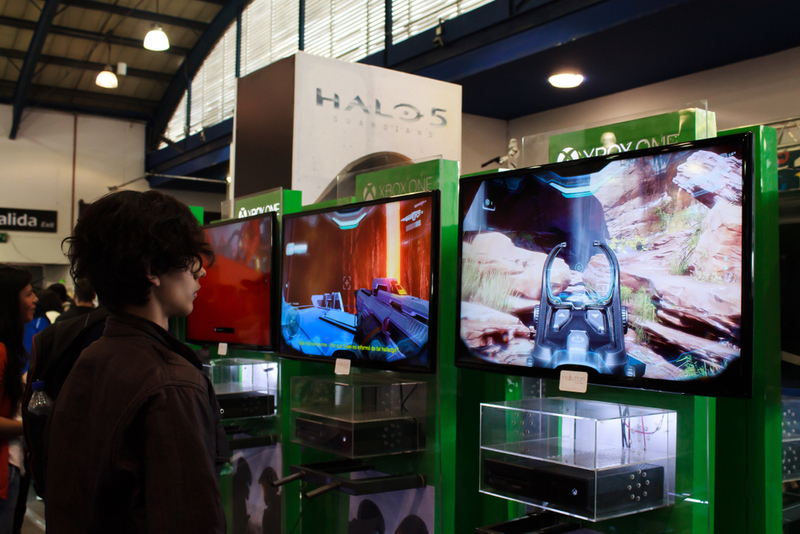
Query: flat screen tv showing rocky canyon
{"type": "Point", "coordinates": [633, 267]}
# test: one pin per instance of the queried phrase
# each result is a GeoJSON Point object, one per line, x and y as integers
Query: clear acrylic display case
{"type": "Point", "coordinates": [358, 416]}
{"type": "Point", "coordinates": [790, 437]}
{"type": "Point", "coordinates": [244, 387]}
{"type": "Point", "coordinates": [587, 459]}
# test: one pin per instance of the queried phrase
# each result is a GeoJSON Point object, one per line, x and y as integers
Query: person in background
{"type": "Point", "coordinates": [51, 304]}
{"type": "Point", "coordinates": [135, 442]}
{"type": "Point", "coordinates": [39, 323]}
{"type": "Point", "coordinates": [61, 290]}
{"type": "Point", "coordinates": [17, 306]}
{"type": "Point", "coordinates": [84, 301]}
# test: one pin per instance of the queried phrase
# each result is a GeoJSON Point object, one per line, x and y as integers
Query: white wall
{"type": "Point", "coordinates": [482, 139]}
{"type": "Point", "coordinates": [750, 92]}
{"type": "Point", "coordinates": [37, 173]}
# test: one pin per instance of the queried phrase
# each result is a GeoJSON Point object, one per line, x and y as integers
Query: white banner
{"type": "Point", "coordinates": [346, 113]}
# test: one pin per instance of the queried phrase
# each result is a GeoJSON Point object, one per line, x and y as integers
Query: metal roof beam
{"type": "Point", "coordinates": [138, 14]}
{"type": "Point", "coordinates": [28, 70]}
{"type": "Point", "coordinates": [174, 93]}
{"type": "Point", "coordinates": [91, 110]}
{"type": "Point", "coordinates": [87, 65]}
{"type": "Point", "coordinates": [47, 95]}
{"type": "Point", "coordinates": [25, 24]}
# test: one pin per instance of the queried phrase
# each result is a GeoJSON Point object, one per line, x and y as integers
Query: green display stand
{"type": "Point", "coordinates": [330, 512]}
{"type": "Point", "coordinates": [275, 200]}
{"type": "Point", "coordinates": [729, 460]}
{"type": "Point", "coordinates": [748, 444]}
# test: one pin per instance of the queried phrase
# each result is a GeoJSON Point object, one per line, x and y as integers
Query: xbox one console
{"type": "Point", "coordinates": [246, 404]}
{"type": "Point", "coordinates": [578, 491]}
{"type": "Point", "coordinates": [360, 439]}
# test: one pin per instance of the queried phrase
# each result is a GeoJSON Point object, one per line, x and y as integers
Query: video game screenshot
{"type": "Point", "coordinates": [356, 283]}
{"type": "Point", "coordinates": [626, 267]}
{"type": "Point", "coordinates": [233, 304]}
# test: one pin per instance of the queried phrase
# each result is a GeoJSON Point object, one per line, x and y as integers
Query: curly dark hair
{"type": "Point", "coordinates": [125, 234]}
{"type": "Point", "coordinates": [12, 328]}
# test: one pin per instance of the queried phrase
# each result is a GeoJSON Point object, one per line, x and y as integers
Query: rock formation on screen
{"type": "Point", "coordinates": [711, 177]}
{"type": "Point", "coordinates": [675, 225]}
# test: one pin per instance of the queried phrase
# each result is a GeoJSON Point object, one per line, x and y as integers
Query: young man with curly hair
{"type": "Point", "coordinates": [135, 442]}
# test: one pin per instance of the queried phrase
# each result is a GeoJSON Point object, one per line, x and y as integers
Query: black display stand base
{"type": "Point", "coordinates": [240, 438]}
{"type": "Point", "coordinates": [791, 512]}
{"type": "Point", "coordinates": [534, 523]}
{"type": "Point", "coordinates": [333, 476]}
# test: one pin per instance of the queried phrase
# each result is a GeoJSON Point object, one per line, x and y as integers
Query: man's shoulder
{"type": "Point", "coordinates": [141, 355]}
{"type": "Point", "coordinates": [63, 332]}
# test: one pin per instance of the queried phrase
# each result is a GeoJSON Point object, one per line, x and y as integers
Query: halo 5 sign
{"type": "Point", "coordinates": [24, 220]}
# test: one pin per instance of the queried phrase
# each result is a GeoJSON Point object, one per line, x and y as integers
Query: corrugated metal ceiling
{"type": "Point", "coordinates": [85, 35]}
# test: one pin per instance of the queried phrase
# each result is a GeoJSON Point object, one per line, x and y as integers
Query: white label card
{"type": "Point", "coordinates": [342, 366]}
{"type": "Point", "coordinates": [222, 350]}
{"type": "Point", "coordinates": [575, 381]}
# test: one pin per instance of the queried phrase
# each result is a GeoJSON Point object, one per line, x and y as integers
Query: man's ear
{"type": "Point", "coordinates": [152, 278]}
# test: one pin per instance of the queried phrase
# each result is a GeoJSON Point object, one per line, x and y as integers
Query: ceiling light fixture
{"type": "Point", "coordinates": [565, 80]}
{"type": "Point", "coordinates": [106, 77]}
{"type": "Point", "coordinates": [156, 39]}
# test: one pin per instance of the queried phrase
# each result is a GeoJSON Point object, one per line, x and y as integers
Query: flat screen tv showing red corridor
{"type": "Point", "coordinates": [233, 304]}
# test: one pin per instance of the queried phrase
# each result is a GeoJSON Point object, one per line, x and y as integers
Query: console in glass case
{"type": "Point", "coordinates": [358, 416]}
{"type": "Point", "coordinates": [587, 459]}
{"type": "Point", "coordinates": [244, 387]}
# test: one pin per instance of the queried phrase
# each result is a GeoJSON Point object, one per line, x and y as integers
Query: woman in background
{"type": "Point", "coordinates": [17, 305]}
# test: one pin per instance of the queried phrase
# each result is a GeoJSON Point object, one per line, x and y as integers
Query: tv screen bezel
{"type": "Point", "coordinates": [433, 302]}
{"type": "Point", "coordinates": [273, 285]}
{"type": "Point", "coordinates": [737, 380]}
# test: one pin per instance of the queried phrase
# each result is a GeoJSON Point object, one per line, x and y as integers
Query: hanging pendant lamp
{"type": "Point", "coordinates": [106, 78]}
{"type": "Point", "coordinates": [156, 39]}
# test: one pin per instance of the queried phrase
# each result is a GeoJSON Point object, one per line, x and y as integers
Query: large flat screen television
{"type": "Point", "coordinates": [634, 267]}
{"type": "Point", "coordinates": [233, 304]}
{"type": "Point", "coordinates": [359, 282]}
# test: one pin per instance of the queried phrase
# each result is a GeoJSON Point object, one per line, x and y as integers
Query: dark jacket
{"type": "Point", "coordinates": [55, 351]}
{"type": "Point", "coordinates": [74, 311]}
{"type": "Point", "coordinates": [135, 441]}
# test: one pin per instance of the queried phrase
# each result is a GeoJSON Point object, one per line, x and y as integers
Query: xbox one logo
{"type": "Point", "coordinates": [369, 192]}
{"type": "Point", "coordinates": [242, 212]}
{"type": "Point", "coordinates": [568, 154]}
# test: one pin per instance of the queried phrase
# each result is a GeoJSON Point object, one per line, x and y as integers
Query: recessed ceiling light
{"type": "Point", "coordinates": [566, 80]}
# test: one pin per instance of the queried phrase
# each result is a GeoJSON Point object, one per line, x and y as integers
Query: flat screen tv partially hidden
{"type": "Point", "coordinates": [359, 282]}
{"type": "Point", "coordinates": [634, 267]}
{"type": "Point", "coordinates": [233, 304]}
